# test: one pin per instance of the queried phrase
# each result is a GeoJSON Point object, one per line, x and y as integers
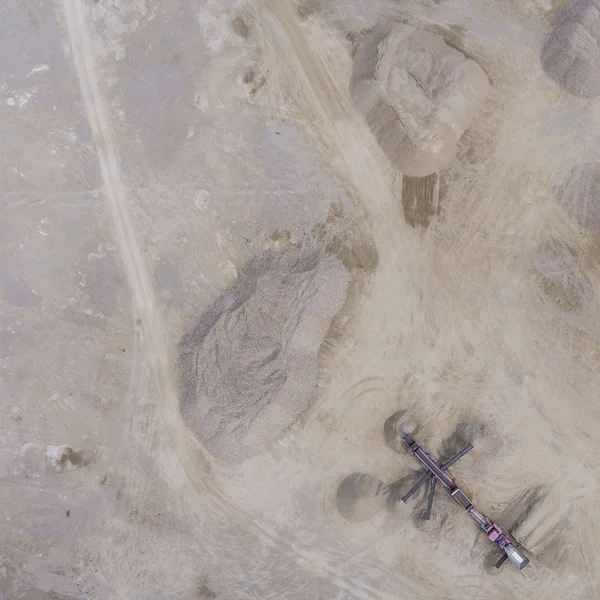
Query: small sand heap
{"type": "Point", "coordinates": [417, 94]}
{"type": "Point", "coordinates": [360, 497]}
{"type": "Point", "coordinates": [250, 366]}
{"type": "Point", "coordinates": [580, 194]}
{"type": "Point", "coordinates": [571, 53]}
{"type": "Point", "coordinates": [562, 277]}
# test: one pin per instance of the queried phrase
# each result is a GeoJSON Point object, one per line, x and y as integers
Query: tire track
{"type": "Point", "coordinates": [153, 336]}
{"type": "Point", "coordinates": [142, 291]}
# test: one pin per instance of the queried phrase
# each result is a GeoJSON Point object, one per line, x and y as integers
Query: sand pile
{"type": "Point", "coordinates": [250, 366]}
{"type": "Point", "coordinates": [580, 194]}
{"type": "Point", "coordinates": [563, 279]}
{"type": "Point", "coordinates": [571, 54]}
{"type": "Point", "coordinates": [360, 497]}
{"type": "Point", "coordinates": [417, 94]}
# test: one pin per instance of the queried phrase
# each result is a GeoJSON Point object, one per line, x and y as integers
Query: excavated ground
{"type": "Point", "coordinates": [218, 293]}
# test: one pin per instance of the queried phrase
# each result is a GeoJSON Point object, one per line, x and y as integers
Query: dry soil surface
{"type": "Point", "coordinates": [154, 153]}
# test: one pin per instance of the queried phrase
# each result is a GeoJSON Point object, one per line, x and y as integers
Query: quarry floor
{"type": "Point", "coordinates": [150, 150]}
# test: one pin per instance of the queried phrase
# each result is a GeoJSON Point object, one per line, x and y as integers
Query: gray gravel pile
{"type": "Point", "coordinates": [571, 53]}
{"type": "Point", "coordinates": [250, 366]}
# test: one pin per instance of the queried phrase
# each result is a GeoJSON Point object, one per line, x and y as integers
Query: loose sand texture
{"type": "Point", "coordinates": [241, 241]}
{"type": "Point", "coordinates": [417, 94]}
{"type": "Point", "coordinates": [571, 54]}
{"type": "Point", "coordinates": [250, 367]}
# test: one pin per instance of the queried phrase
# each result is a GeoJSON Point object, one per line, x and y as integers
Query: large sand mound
{"type": "Point", "coordinates": [571, 54]}
{"type": "Point", "coordinates": [417, 94]}
{"type": "Point", "coordinates": [250, 366]}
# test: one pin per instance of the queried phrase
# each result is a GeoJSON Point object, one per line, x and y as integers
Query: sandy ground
{"type": "Point", "coordinates": [151, 150]}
